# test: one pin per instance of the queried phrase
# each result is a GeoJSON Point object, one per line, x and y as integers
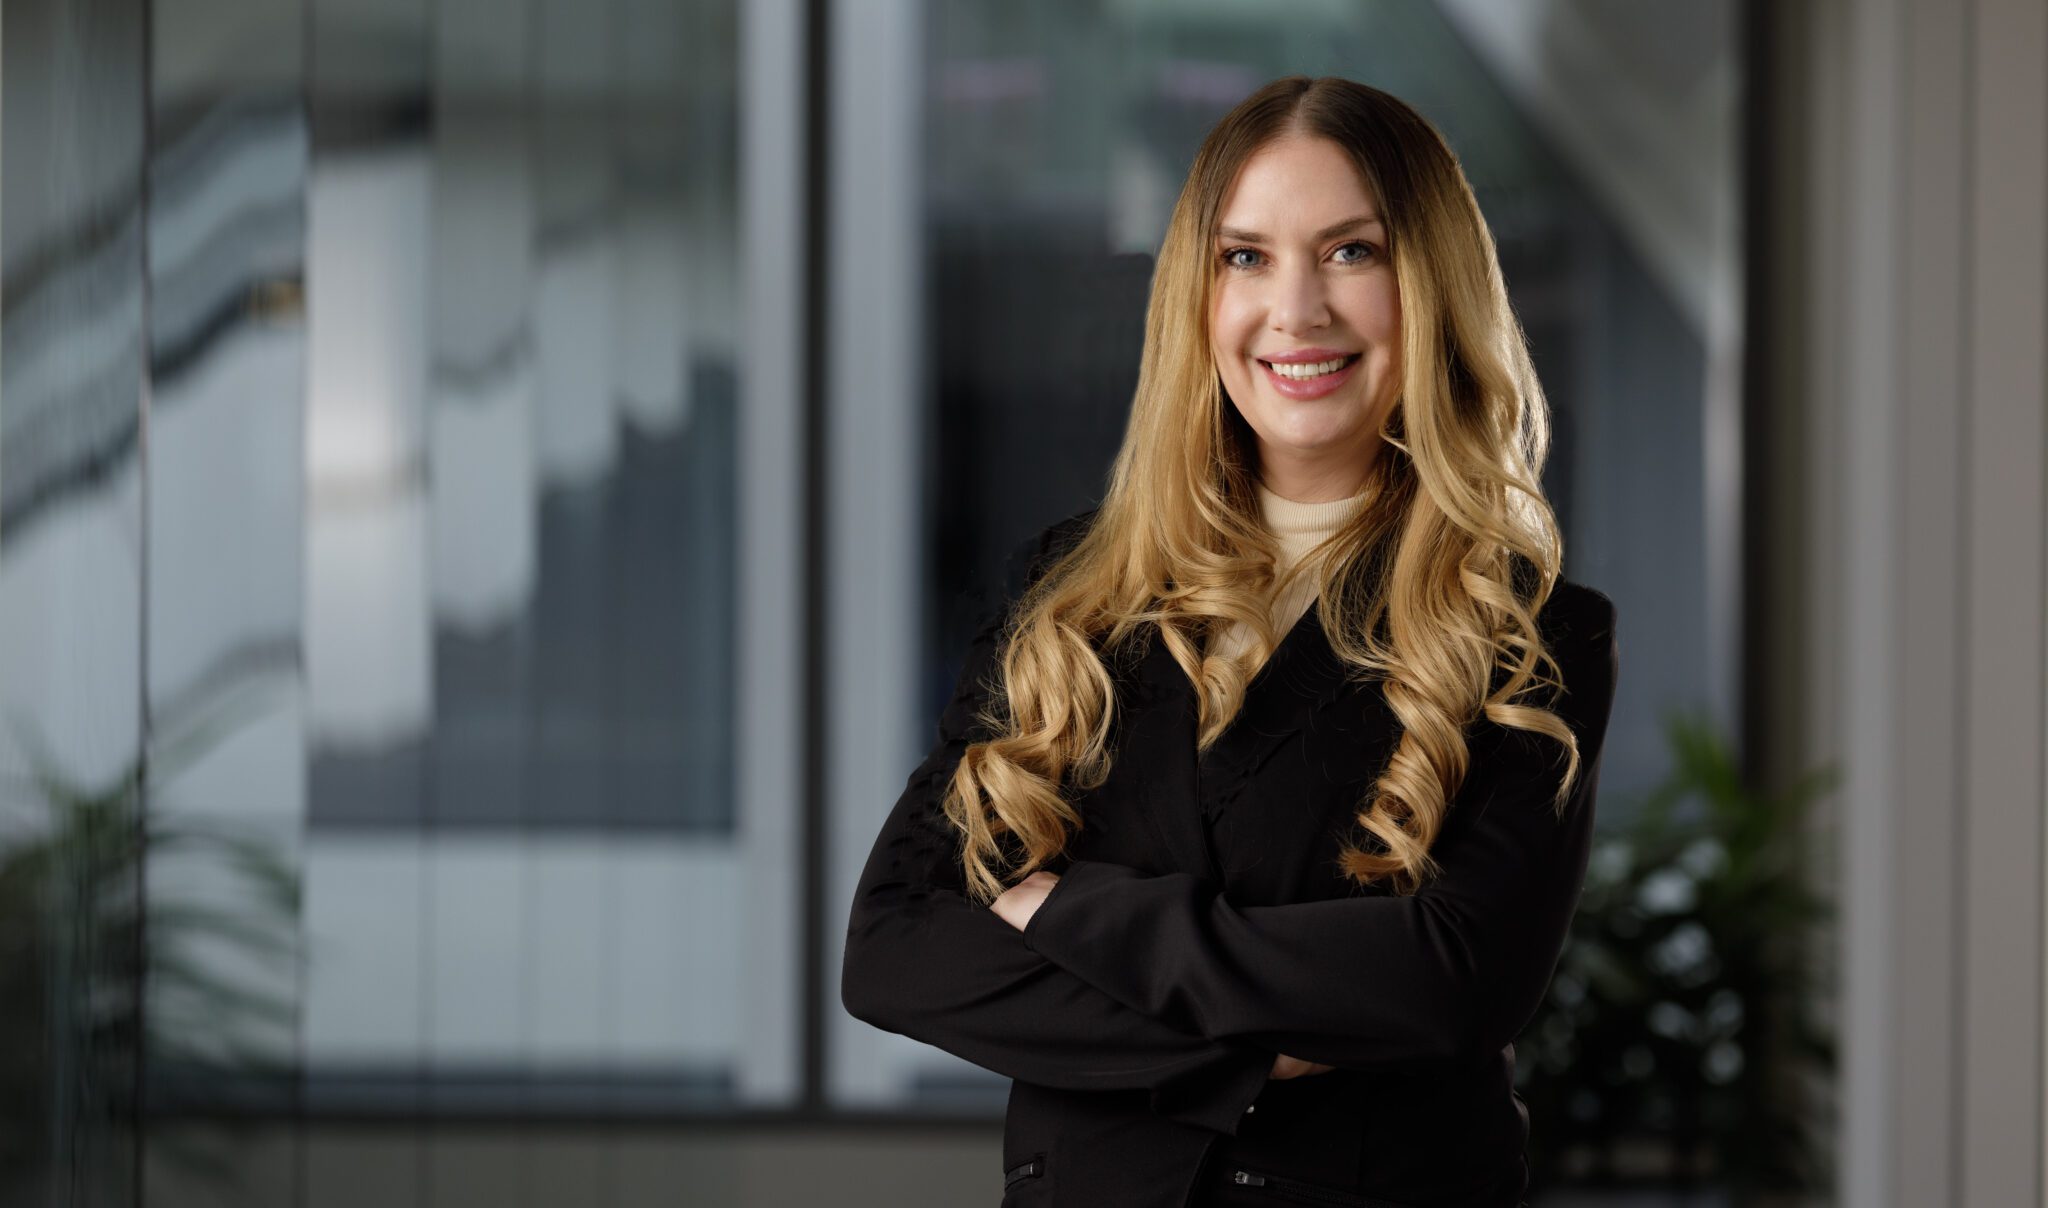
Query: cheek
{"type": "Point", "coordinates": [1229, 330]}
{"type": "Point", "coordinates": [1226, 351]}
{"type": "Point", "coordinates": [1374, 311]}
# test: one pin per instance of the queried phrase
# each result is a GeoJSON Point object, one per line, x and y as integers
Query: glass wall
{"type": "Point", "coordinates": [368, 581]}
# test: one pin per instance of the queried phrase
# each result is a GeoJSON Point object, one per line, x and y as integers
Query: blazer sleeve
{"type": "Point", "coordinates": [922, 959]}
{"type": "Point", "coordinates": [1451, 972]}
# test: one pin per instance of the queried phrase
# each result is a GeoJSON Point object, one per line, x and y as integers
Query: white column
{"type": "Point", "coordinates": [874, 526]}
{"type": "Point", "coordinates": [1920, 556]}
{"type": "Point", "coordinates": [2005, 503]}
{"type": "Point", "coordinates": [771, 486]}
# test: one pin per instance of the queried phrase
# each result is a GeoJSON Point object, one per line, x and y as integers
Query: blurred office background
{"type": "Point", "coordinates": [493, 494]}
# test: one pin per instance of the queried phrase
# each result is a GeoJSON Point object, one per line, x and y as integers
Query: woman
{"type": "Point", "coordinates": [1257, 820]}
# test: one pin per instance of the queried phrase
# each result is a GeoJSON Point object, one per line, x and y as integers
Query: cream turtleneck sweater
{"type": "Point", "coordinates": [1299, 527]}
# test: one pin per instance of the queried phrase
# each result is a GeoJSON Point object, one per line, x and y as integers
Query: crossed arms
{"type": "Point", "coordinates": [1125, 980]}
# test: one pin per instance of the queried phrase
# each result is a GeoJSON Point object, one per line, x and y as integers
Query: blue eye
{"type": "Point", "coordinates": [1363, 248]}
{"type": "Point", "coordinates": [1230, 259]}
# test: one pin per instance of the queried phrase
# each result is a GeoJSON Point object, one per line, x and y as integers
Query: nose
{"type": "Point", "coordinates": [1300, 302]}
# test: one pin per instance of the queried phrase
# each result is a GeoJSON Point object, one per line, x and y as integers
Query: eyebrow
{"type": "Point", "coordinates": [1328, 232]}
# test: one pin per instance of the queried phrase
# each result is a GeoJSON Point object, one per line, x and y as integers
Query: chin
{"type": "Point", "coordinates": [1319, 438]}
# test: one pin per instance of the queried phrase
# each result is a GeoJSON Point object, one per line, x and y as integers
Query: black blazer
{"type": "Point", "coordinates": [1200, 926]}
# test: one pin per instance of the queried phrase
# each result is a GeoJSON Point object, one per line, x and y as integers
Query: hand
{"type": "Point", "coordinates": [1022, 900]}
{"type": "Point", "coordinates": [1294, 1067]}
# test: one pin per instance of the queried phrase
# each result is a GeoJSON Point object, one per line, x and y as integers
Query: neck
{"type": "Point", "coordinates": [1321, 481]}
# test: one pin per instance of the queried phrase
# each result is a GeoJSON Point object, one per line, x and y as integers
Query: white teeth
{"type": "Point", "coordinates": [1316, 369]}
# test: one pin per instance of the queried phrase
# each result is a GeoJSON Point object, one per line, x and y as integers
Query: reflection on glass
{"type": "Point", "coordinates": [519, 561]}
{"type": "Point", "coordinates": [226, 796]}
{"type": "Point", "coordinates": [385, 689]}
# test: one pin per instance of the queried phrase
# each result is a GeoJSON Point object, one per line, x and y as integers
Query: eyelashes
{"type": "Point", "coordinates": [1229, 259]}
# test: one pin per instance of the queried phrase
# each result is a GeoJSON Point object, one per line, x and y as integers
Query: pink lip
{"type": "Point", "coordinates": [1313, 387]}
{"type": "Point", "coordinates": [1306, 354]}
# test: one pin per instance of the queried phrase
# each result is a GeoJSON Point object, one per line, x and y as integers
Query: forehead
{"type": "Point", "coordinates": [1296, 185]}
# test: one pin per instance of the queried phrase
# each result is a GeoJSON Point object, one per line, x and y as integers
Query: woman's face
{"type": "Point", "coordinates": [1305, 323]}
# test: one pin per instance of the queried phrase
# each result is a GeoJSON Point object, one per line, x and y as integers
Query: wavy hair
{"type": "Point", "coordinates": [1433, 588]}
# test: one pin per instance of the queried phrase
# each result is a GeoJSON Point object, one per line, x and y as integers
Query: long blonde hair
{"type": "Point", "coordinates": [1434, 587]}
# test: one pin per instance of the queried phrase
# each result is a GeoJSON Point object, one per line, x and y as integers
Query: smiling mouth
{"type": "Point", "coordinates": [1309, 371]}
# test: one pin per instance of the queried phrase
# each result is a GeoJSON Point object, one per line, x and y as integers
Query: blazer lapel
{"type": "Point", "coordinates": [1302, 676]}
{"type": "Point", "coordinates": [1160, 713]}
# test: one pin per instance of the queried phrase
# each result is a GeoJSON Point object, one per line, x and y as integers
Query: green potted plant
{"type": "Point", "coordinates": [1678, 1032]}
{"type": "Point", "coordinates": [78, 952]}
